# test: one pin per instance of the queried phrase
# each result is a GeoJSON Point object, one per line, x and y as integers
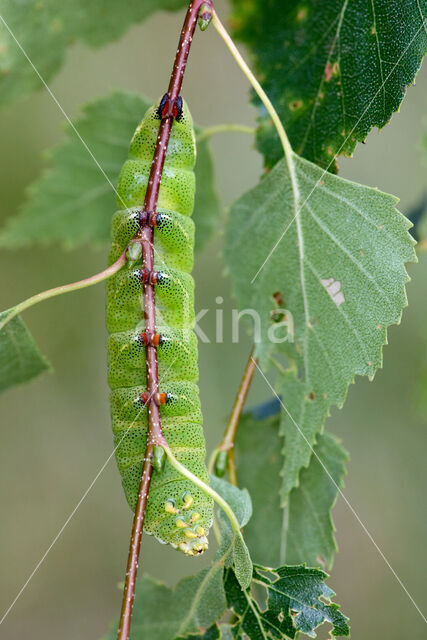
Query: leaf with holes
{"type": "Point", "coordinates": [20, 358]}
{"type": "Point", "coordinates": [304, 531]}
{"type": "Point", "coordinates": [335, 251]}
{"type": "Point", "coordinates": [252, 622]}
{"type": "Point", "coordinates": [297, 600]}
{"type": "Point", "coordinates": [72, 202]}
{"type": "Point", "coordinates": [44, 30]}
{"type": "Point", "coordinates": [303, 591]}
{"type": "Point", "coordinates": [330, 92]}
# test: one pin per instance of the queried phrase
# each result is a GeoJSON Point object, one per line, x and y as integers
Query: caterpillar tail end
{"type": "Point", "coordinates": [190, 535]}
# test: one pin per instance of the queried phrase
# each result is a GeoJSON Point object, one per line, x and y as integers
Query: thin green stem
{"type": "Point", "coordinates": [254, 82]}
{"type": "Point", "coordinates": [224, 128]}
{"type": "Point", "coordinates": [212, 459]}
{"type": "Point", "coordinates": [263, 97]}
{"type": "Point", "coordinates": [204, 487]}
{"type": "Point", "coordinates": [66, 288]}
{"type": "Point", "coordinates": [211, 471]}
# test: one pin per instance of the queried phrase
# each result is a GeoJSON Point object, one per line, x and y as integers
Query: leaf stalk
{"type": "Point", "coordinates": [65, 288]}
{"type": "Point", "coordinates": [287, 148]}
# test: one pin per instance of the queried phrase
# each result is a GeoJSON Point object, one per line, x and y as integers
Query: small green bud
{"type": "Point", "coordinates": [159, 458]}
{"type": "Point", "coordinates": [221, 463]}
{"type": "Point", "coordinates": [134, 251]}
{"type": "Point", "coordinates": [205, 16]}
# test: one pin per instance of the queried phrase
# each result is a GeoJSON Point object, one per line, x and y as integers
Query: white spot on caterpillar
{"type": "Point", "coordinates": [333, 287]}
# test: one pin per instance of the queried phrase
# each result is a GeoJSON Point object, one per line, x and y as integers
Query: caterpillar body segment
{"type": "Point", "coordinates": [178, 513]}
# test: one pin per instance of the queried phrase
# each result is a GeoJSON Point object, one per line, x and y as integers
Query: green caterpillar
{"type": "Point", "coordinates": [178, 513]}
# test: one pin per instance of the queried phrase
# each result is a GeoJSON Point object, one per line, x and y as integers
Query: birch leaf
{"type": "Point", "coordinates": [333, 70]}
{"type": "Point", "coordinates": [335, 253]}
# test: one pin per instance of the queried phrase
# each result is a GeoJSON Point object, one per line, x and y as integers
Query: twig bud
{"type": "Point", "coordinates": [205, 16]}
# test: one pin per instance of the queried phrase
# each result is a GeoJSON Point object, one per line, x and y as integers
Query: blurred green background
{"type": "Point", "coordinates": [55, 432]}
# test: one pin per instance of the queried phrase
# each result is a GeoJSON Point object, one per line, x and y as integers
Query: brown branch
{"type": "Point", "coordinates": [154, 435]}
{"type": "Point", "coordinates": [226, 447]}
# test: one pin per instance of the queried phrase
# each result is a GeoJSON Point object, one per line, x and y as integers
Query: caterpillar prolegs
{"type": "Point", "coordinates": [178, 513]}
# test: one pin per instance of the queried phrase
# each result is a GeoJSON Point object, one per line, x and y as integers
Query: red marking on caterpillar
{"type": "Point", "coordinates": [151, 339]}
{"type": "Point", "coordinates": [150, 277]}
{"type": "Point", "coordinates": [151, 219]}
{"type": "Point", "coordinates": [158, 398]}
{"type": "Point", "coordinates": [170, 108]}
